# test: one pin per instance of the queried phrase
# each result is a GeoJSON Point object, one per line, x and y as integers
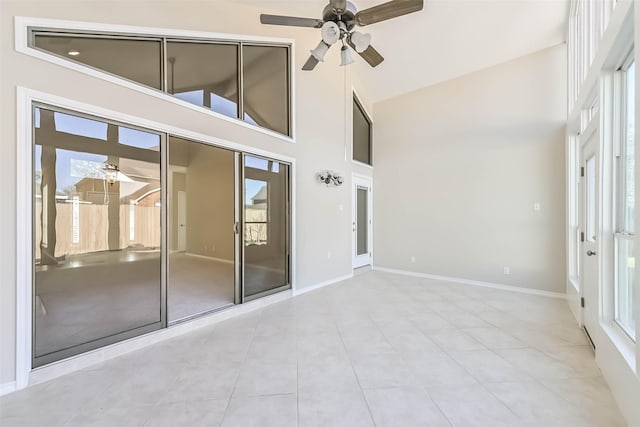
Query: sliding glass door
{"type": "Point", "coordinates": [112, 260]}
{"type": "Point", "coordinates": [201, 228]}
{"type": "Point", "coordinates": [97, 233]}
{"type": "Point", "coordinates": [266, 227]}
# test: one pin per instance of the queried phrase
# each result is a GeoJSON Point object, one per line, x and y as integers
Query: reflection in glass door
{"type": "Point", "coordinates": [201, 275]}
{"type": "Point", "coordinates": [97, 234]}
{"type": "Point", "coordinates": [266, 227]}
{"type": "Point", "coordinates": [112, 261]}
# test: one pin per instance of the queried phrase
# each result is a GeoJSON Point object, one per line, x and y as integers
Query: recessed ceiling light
{"type": "Point", "coordinates": [73, 53]}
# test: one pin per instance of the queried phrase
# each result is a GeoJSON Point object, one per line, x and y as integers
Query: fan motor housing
{"type": "Point", "coordinates": [348, 17]}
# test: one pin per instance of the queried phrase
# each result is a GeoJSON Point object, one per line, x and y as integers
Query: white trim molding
{"type": "Point", "coordinates": [22, 25]}
{"type": "Point", "coordinates": [498, 286]}
{"type": "Point", "coordinates": [322, 284]}
{"type": "Point", "coordinates": [6, 388]}
{"type": "Point", "coordinates": [24, 238]}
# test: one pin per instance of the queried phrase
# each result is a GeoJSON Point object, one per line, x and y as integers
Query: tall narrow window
{"type": "Point", "coordinates": [361, 134]}
{"type": "Point", "coordinates": [625, 207]}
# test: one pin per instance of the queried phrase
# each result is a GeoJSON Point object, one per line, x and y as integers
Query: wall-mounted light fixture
{"type": "Point", "coordinates": [110, 173]}
{"type": "Point", "coordinates": [330, 178]}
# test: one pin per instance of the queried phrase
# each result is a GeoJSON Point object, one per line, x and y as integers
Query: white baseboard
{"type": "Point", "coordinates": [226, 261]}
{"type": "Point", "coordinates": [7, 388]}
{"type": "Point", "coordinates": [475, 283]}
{"type": "Point", "coordinates": [322, 284]}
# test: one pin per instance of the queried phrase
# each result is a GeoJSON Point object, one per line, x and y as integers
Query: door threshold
{"type": "Point", "coordinates": [591, 343]}
{"type": "Point", "coordinates": [363, 269]}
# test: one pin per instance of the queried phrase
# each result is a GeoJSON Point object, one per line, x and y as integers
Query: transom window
{"type": "Point", "coordinates": [249, 81]}
{"type": "Point", "coordinates": [362, 134]}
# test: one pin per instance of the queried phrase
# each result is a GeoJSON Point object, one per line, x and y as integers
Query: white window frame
{"type": "Point", "coordinates": [620, 135]}
{"type": "Point", "coordinates": [368, 117]}
{"type": "Point", "coordinates": [573, 211]}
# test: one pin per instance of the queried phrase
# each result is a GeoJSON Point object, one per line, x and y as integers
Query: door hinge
{"type": "Point", "coordinates": [581, 170]}
{"type": "Point", "coordinates": [582, 236]}
{"type": "Point", "coordinates": [582, 302]}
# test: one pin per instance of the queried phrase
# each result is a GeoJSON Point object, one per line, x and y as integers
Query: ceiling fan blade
{"type": "Point", "coordinates": [291, 21]}
{"type": "Point", "coordinates": [370, 55]}
{"type": "Point", "coordinates": [388, 10]}
{"type": "Point", "coordinates": [310, 64]}
{"type": "Point", "coordinates": [338, 6]}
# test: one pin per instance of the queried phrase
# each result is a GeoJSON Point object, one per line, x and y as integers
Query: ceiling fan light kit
{"type": "Point", "coordinates": [345, 56]}
{"type": "Point", "coordinates": [339, 18]}
{"type": "Point", "coordinates": [320, 51]}
{"type": "Point", "coordinates": [360, 41]}
{"type": "Point", "coordinates": [330, 32]}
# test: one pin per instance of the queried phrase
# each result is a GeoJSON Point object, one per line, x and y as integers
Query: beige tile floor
{"type": "Point", "coordinates": [378, 349]}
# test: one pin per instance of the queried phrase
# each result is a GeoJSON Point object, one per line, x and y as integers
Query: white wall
{"type": "Point", "coordinates": [321, 126]}
{"type": "Point", "coordinates": [464, 162]}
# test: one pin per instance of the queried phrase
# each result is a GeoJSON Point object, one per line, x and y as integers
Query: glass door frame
{"type": "Point", "coordinates": [167, 267]}
{"type": "Point", "coordinates": [362, 182]}
{"type": "Point", "coordinates": [240, 229]}
{"type": "Point", "coordinates": [95, 344]}
{"type": "Point", "coordinates": [163, 322]}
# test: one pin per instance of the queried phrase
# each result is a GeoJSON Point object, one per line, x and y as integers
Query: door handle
{"type": "Point", "coordinates": [236, 228]}
{"type": "Point", "coordinates": [590, 253]}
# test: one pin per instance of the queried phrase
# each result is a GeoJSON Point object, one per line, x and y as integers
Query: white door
{"type": "Point", "coordinates": [182, 221]}
{"type": "Point", "coordinates": [362, 224]}
{"type": "Point", "coordinates": [590, 226]}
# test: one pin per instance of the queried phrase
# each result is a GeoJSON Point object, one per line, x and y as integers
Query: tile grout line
{"type": "Point", "coordinates": [242, 365]}
{"type": "Point", "coordinates": [355, 374]}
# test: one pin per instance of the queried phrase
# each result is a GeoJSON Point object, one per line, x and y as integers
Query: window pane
{"type": "Point", "coordinates": [590, 199]}
{"type": "Point", "coordinates": [137, 60]}
{"type": "Point", "coordinates": [361, 231]}
{"type": "Point", "coordinates": [361, 135]}
{"type": "Point", "coordinates": [629, 153]}
{"type": "Point", "coordinates": [266, 226]}
{"type": "Point", "coordinates": [266, 87]}
{"type": "Point", "coordinates": [204, 74]}
{"type": "Point", "coordinates": [96, 237]}
{"type": "Point", "coordinates": [201, 255]}
{"type": "Point", "coordinates": [624, 285]}
{"type": "Point", "coordinates": [256, 210]}
{"type": "Point", "coordinates": [80, 126]}
{"type": "Point", "coordinates": [139, 139]}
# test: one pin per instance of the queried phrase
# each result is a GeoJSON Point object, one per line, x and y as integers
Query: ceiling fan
{"type": "Point", "coordinates": [339, 18]}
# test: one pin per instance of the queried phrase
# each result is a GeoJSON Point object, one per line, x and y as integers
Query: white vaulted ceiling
{"type": "Point", "coordinates": [447, 39]}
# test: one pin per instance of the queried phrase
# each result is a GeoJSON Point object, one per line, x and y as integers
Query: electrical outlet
{"type": "Point", "coordinates": [413, 259]}
{"type": "Point", "coordinates": [506, 270]}
{"type": "Point", "coordinates": [328, 254]}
